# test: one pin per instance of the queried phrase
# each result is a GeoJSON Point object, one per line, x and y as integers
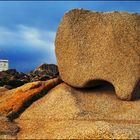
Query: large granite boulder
{"type": "Point", "coordinates": [95, 46]}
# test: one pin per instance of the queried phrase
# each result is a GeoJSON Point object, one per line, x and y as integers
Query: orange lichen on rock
{"type": "Point", "coordinates": [13, 101]}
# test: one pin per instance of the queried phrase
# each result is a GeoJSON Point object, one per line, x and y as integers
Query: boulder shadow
{"type": "Point", "coordinates": [105, 86]}
{"type": "Point", "coordinates": [98, 86]}
{"type": "Point", "coordinates": [136, 92]}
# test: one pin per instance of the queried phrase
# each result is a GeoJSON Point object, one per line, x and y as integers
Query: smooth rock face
{"type": "Point", "coordinates": [94, 46]}
{"type": "Point", "coordinates": [69, 113]}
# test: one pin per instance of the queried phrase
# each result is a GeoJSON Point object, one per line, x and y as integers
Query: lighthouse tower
{"type": "Point", "coordinates": [4, 65]}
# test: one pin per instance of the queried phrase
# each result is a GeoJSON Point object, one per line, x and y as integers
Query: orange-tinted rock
{"type": "Point", "coordinates": [15, 100]}
{"type": "Point", "coordinates": [2, 89]}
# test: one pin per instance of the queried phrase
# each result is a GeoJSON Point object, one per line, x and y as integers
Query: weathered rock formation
{"type": "Point", "coordinates": [44, 72]}
{"type": "Point", "coordinates": [12, 78]}
{"type": "Point", "coordinates": [14, 101]}
{"type": "Point", "coordinates": [95, 46]}
{"type": "Point", "coordinates": [69, 113]}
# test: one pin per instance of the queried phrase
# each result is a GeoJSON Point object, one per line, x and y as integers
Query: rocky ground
{"type": "Point", "coordinates": [11, 78]}
{"type": "Point", "coordinates": [19, 90]}
{"type": "Point", "coordinates": [14, 102]}
{"type": "Point", "coordinates": [70, 113]}
{"type": "Point", "coordinates": [53, 110]}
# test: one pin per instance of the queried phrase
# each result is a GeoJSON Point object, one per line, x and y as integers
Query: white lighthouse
{"type": "Point", "coordinates": [4, 65]}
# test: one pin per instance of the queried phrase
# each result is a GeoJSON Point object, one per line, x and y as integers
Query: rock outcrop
{"type": "Point", "coordinates": [12, 78]}
{"type": "Point", "coordinates": [96, 46]}
{"type": "Point", "coordinates": [44, 72]}
{"type": "Point", "coordinates": [14, 101]}
{"type": "Point", "coordinates": [69, 113]}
